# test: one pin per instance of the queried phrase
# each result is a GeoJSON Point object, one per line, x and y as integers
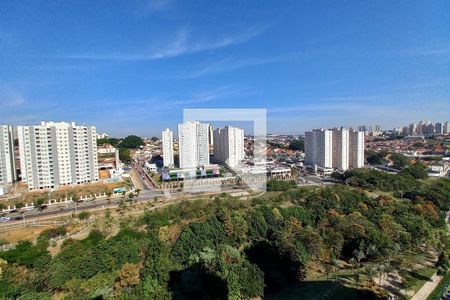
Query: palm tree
{"type": "Point", "coordinates": [357, 278]}
{"type": "Point", "coordinates": [336, 265]}
{"type": "Point", "coordinates": [328, 269]}
{"type": "Point", "coordinates": [108, 196]}
{"type": "Point", "coordinates": [359, 255]}
{"type": "Point", "coordinates": [370, 272]}
{"type": "Point", "coordinates": [381, 269]}
{"type": "Point", "coordinates": [352, 261]}
{"type": "Point", "coordinates": [122, 207]}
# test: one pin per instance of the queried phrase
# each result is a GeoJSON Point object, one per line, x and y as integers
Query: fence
{"type": "Point", "coordinates": [23, 224]}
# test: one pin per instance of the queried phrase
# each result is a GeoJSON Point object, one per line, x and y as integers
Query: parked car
{"type": "Point", "coordinates": [5, 219]}
{"type": "Point", "coordinates": [13, 210]}
{"type": "Point", "coordinates": [18, 218]}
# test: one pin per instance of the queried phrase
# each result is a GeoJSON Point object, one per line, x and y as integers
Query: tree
{"type": "Point", "coordinates": [125, 155]}
{"type": "Point", "coordinates": [359, 255]}
{"type": "Point", "coordinates": [121, 208]}
{"type": "Point", "coordinates": [19, 205]}
{"type": "Point", "coordinates": [84, 215]}
{"type": "Point", "coordinates": [352, 261]}
{"type": "Point", "coordinates": [399, 160]}
{"type": "Point", "coordinates": [39, 202]}
{"type": "Point", "coordinates": [375, 158]}
{"type": "Point", "coordinates": [108, 196]}
{"type": "Point", "coordinates": [127, 277]}
{"type": "Point", "coordinates": [370, 272]}
{"type": "Point", "coordinates": [417, 171]}
{"type": "Point", "coordinates": [298, 145]}
{"type": "Point", "coordinates": [154, 139]}
{"type": "Point", "coordinates": [337, 266]}
{"type": "Point", "coordinates": [131, 142]}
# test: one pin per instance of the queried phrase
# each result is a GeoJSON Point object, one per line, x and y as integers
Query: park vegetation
{"type": "Point", "coordinates": [241, 249]}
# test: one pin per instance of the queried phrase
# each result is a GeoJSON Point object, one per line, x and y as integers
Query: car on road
{"type": "Point", "coordinates": [42, 207]}
{"type": "Point", "coordinates": [13, 210]}
{"type": "Point", "coordinates": [5, 219]}
{"type": "Point", "coordinates": [18, 218]}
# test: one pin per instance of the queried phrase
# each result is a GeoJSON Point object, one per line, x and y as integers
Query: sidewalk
{"type": "Point", "coordinates": [427, 288]}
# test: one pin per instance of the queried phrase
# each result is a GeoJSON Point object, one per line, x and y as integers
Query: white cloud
{"type": "Point", "coordinates": [11, 99]}
{"type": "Point", "coordinates": [182, 44]}
{"type": "Point", "coordinates": [228, 64]}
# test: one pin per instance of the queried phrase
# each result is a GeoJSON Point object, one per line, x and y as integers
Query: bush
{"type": "Point", "coordinates": [84, 215]}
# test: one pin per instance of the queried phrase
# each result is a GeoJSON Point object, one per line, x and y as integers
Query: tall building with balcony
{"type": "Point", "coordinates": [193, 144]}
{"type": "Point", "coordinates": [8, 172]}
{"type": "Point", "coordinates": [167, 148]}
{"type": "Point", "coordinates": [337, 148]}
{"type": "Point", "coordinates": [446, 127]}
{"type": "Point", "coordinates": [356, 149]}
{"type": "Point", "coordinates": [54, 154]}
{"type": "Point", "coordinates": [340, 148]}
{"type": "Point", "coordinates": [229, 146]}
{"type": "Point", "coordinates": [318, 148]}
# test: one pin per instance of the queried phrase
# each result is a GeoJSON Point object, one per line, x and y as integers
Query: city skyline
{"type": "Point", "coordinates": [133, 68]}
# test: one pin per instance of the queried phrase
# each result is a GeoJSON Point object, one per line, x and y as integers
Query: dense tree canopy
{"type": "Point", "coordinates": [131, 142]}
{"type": "Point", "coordinates": [298, 145]}
{"type": "Point", "coordinates": [229, 248]}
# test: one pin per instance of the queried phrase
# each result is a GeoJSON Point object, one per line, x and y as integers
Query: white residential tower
{"type": "Point", "coordinates": [167, 148]}
{"type": "Point", "coordinates": [229, 145]}
{"type": "Point", "coordinates": [193, 144]}
{"type": "Point", "coordinates": [53, 154]}
{"type": "Point", "coordinates": [8, 172]}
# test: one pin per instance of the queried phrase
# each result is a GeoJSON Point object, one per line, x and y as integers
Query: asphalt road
{"type": "Point", "coordinates": [64, 209]}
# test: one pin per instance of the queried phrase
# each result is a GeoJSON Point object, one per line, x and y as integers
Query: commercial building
{"type": "Point", "coordinates": [338, 148]}
{"type": "Point", "coordinates": [167, 148]}
{"type": "Point", "coordinates": [54, 154]}
{"type": "Point", "coordinates": [193, 140]}
{"type": "Point", "coordinates": [8, 172]}
{"type": "Point", "coordinates": [229, 146]}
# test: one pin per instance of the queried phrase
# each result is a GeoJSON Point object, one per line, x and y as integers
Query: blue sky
{"type": "Point", "coordinates": [132, 66]}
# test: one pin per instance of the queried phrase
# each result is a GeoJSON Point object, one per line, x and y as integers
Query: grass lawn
{"type": "Point", "coordinates": [443, 287]}
{"type": "Point", "coordinates": [419, 277]}
{"type": "Point", "coordinates": [322, 290]}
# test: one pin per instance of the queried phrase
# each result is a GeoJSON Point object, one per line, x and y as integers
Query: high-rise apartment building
{"type": "Point", "coordinates": [446, 129]}
{"type": "Point", "coordinates": [53, 154]}
{"type": "Point", "coordinates": [193, 144]}
{"type": "Point", "coordinates": [229, 145]}
{"type": "Point", "coordinates": [356, 149]}
{"type": "Point", "coordinates": [318, 148]}
{"type": "Point", "coordinates": [438, 128]}
{"type": "Point", "coordinates": [338, 148]}
{"type": "Point", "coordinates": [412, 129]}
{"type": "Point", "coordinates": [167, 148]}
{"type": "Point", "coordinates": [8, 172]}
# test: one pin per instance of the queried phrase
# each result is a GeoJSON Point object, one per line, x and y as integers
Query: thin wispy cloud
{"type": "Point", "coordinates": [11, 100]}
{"type": "Point", "coordinates": [182, 44]}
{"type": "Point", "coordinates": [229, 64]}
{"type": "Point", "coordinates": [157, 5]}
